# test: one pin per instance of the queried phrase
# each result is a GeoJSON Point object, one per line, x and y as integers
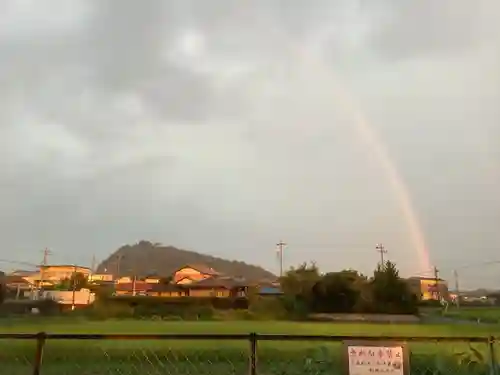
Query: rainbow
{"type": "Point", "coordinates": [369, 136]}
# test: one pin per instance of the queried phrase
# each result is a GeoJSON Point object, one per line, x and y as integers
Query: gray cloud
{"type": "Point", "coordinates": [224, 128]}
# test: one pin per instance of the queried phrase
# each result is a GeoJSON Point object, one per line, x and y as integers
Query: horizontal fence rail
{"type": "Point", "coordinates": [236, 354]}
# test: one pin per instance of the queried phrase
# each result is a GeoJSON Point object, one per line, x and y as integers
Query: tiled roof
{"type": "Point", "coordinates": [22, 273]}
{"type": "Point", "coordinates": [218, 282]}
{"type": "Point", "coordinates": [15, 279]}
{"type": "Point", "coordinates": [64, 265]}
{"type": "Point", "coordinates": [422, 278]}
{"type": "Point", "coordinates": [202, 268]}
{"type": "Point", "coordinates": [166, 288]}
{"type": "Point", "coordinates": [140, 286]}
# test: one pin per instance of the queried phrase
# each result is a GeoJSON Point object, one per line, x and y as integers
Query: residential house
{"type": "Point", "coordinates": [168, 290]}
{"type": "Point", "coordinates": [192, 281]}
{"type": "Point", "coordinates": [133, 288]}
{"type": "Point", "coordinates": [101, 277]}
{"type": "Point", "coordinates": [53, 274]}
{"type": "Point", "coordinates": [191, 273]}
{"type": "Point", "coordinates": [124, 280]}
{"type": "Point", "coordinates": [217, 287]}
{"type": "Point", "coordinates": [78, 298]}
{"type": "Point", "coordinates": [152, 279]}
{"type": "Point", "coordinates": [22, 273]}
{"type": "Point", "coordinates": [17, 285]}
{"type": "Point", "coordinates": [429, 288]}
{"type": "Point", "coordinates": [269, 290]}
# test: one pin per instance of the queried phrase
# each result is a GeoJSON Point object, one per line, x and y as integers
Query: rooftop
{"type": "Point", "coordinates": [202, 268]}
{"type": "Point", "coordinates": [423, 278]}
{"type": "Point", "coordinates": [218, 282]}
{"type": "Point", "coordinates": [63, 266]}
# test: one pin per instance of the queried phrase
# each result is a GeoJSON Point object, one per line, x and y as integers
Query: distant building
{"type": "Point", "coordinates": [80, 298]}
{"type": "Point", "coordinates": [99, 277]}
{"type": "Point", "coordinates": [428, 288]}
{"type": "Point", "coordinates": [217, 287]}
{"type": "Point", "coordinates": [192, 273]}
{"type": "Point", "coordinates": [194, 281]}
{"type": "Point", "coordinates": [53, 274]}
{"type": "Point", "coordinates": [22, 273]}
{"type": "Point", "coordinates": [152, 279]}
{"type": "Point", "coordinates": [124, 280]}
{"type": "Point", "coordinates": [132, 288]}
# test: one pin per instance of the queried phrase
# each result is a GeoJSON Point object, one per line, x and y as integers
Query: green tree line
{"type": "Point", "coordinates": [307, 291]}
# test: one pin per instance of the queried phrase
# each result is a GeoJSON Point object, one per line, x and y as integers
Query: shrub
{"type": "Point", "coordinates": [267, 308]}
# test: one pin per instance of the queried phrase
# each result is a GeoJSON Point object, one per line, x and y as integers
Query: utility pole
{"type": "Point", "coordinates": [381, 249]}
{"type": "Point", "coordinates": [118, 264]}
{"type": "Point", "coordinates": [436, 283]}
{"type": "Point", "coordinates": [134, 284]}
{"type": "Point", "coordinates": [74, 289]}
{"type": "Point", "coordinates": [457, 290]}
{"type": "Point", "coordinates": [281, 245]}
{"type": "Point", "coordinates": [46, 253]}
{"type": "Point", "coordinates": [94, 261]}
{"type": "Point", "coordinates": [92, 268]}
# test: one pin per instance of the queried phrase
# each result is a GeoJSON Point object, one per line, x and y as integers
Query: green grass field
{"type": "Point", "coordinates": [93, 357]}
{"type": "Point", "coordinates": [475, 313]}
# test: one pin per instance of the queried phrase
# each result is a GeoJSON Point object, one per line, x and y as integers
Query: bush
{"type": "Point", "coordinates": [155, 307]}
{"type": "Point", "coordinates": [22, 307]}
{"type": "Point", "coordinates": [268, 308]}
{"type": "Point", "coordinates": [102, 309]}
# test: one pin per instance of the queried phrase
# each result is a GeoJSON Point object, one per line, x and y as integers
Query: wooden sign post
{"type": "Point", "coordinates": [373, 357]}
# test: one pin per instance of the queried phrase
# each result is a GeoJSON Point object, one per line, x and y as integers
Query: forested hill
{"type": "Point", "coordinates": [146, 258]}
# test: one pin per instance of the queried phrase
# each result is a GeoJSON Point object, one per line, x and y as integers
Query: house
{"type": "Point", "coordinates": [17, 285]}
{"type": "Point", "coordinates": [124, 280]}
{"type": "Point", "coordinates": [192, 273]}
{"type": "Point", "coordinates": [168, 290]}
{"type": "Point", "coordinates": [269, 290]}
{"type": "Point", "coordinates": [53, 274]}
{"type": "Point", "coordinates": [221, 286]}
{"type": "Point", "coordinates": [101, 277]}
{"type": "Point", "coordinates": [428, 288]}
{"type": "Point", "coordinates": [78, 298]}
{"type": "Point", "coordinates": [133, 288]}
{"type": "Point", "coordinates": [22, 273]}
{"type": "Point", "coordinates": [152, 279]}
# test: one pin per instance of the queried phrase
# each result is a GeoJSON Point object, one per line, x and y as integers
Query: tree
{"type": "Point", "coordinates": [64, 284]}
{"type": "Point", "coordinates": [166, 280]}
{"type": "Point", "coordinates": [391, 294]}
{"type": "Point", "coordinates": [339, 292]}
{"type": "Point", "coordinates": [78, 281]}
{"type": "Point", "coordinates": [3, 288]}
{"type": "Point", "coordinates": [297, 285]}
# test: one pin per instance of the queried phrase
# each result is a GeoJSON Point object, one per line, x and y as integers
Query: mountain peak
{"type": "Point", "coordinates": [146, 258]}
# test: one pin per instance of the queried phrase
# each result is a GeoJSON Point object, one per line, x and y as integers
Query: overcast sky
{"type": "Point", "coordinates": [223, 127]}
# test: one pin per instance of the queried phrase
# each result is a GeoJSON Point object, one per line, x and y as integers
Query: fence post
{"type": "Point", "coordinates": [493, 360]}
{"type": "Point", "coordinates": [253, 353]}
{"type": "Point", "coordinates": [40, 343]}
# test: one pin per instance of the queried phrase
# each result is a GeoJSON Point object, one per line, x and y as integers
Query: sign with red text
{"type": "Point", "coordinates": [371, 358]}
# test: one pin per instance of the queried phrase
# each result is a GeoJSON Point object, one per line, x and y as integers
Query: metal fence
{"type": "Point", "coordinates": [221, 354]}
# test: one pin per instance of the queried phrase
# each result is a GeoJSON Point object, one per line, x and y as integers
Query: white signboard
{"type": "Point", "coordinates": [373, 359]}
